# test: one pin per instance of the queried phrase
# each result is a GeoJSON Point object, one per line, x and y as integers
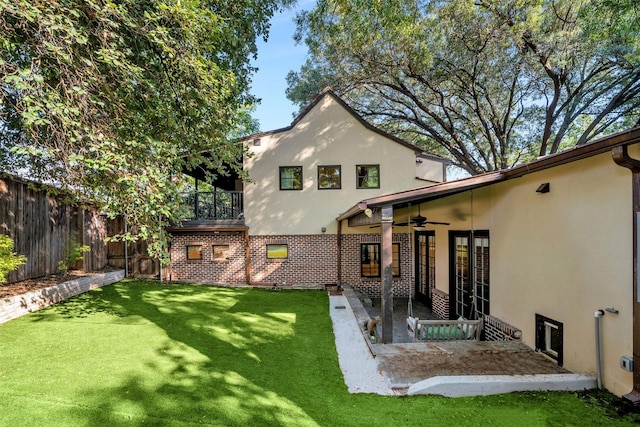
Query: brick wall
{"type": "Point", "coordinates": [371, 287]}
{"type": "Point", "coordinates": [231, 271]}
{"type": "Point", "coordinates": [311, 261]}
{"type": "Point", "coordinates": [440, 304]}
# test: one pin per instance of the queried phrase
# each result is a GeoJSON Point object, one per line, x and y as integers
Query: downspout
{"type": "Point", "coordinates": [597, 315]}
{"type": "Point", "coordinates": [621, 157]}
{"type": "Point", "coordinates": [339, 243]}
{"type": "Point", "coordinates": [247, 256]}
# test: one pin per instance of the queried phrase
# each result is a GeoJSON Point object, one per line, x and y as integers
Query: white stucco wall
{"type": "Point", "coordinates": [562, 254]}
{"type": "Point", "coordinates": [327, 135]}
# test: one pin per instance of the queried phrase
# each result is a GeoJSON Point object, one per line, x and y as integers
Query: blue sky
{"type": "Point", "coordinates": [275, 59]}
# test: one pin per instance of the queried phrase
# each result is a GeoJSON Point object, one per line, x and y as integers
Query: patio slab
{"type": "Point", "coordinates": [453, 368]}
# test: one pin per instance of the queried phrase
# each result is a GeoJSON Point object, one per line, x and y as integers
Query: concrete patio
{"type": "Point", "coordinates": [454, 368]}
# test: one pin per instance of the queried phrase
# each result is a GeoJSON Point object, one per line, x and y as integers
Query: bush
{"type": "Point", "coordinates": [74, 254]}
{"type": "Point", "coordinates": [9, 260]}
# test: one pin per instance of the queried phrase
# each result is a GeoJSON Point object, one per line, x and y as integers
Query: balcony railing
{"type": "Point", "coordinates": [213, 205]}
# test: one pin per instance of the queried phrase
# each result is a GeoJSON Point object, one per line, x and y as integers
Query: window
{"type": "Point", "coordinates": [290, 177]}
{"type": "Point", "coordinates": [277, 251]}
{"type": "Point", "coordinates": [329, 178]}
{"type": "Point", "coordinates": [549, 337]}
{"type": "Point", "coordinates": [368, 176]}
{"type": "Point", "coordinates": [370, 259]}
{"type": "Point", "coordinates": [194, 252]}
{"type": "Point", "coordinates": [221, 252]}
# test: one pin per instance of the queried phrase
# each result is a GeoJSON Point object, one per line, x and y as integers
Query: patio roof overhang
{"type": "Point", "coordinates": [438, 191]}
{"type": "Point", "coordinates": [424, 194]}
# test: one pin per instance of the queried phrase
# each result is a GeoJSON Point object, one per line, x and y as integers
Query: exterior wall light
{"type": "Point", "coordinates": [544, 188]}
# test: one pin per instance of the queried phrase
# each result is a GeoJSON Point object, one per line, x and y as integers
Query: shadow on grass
{"type": "Point", "coordinates": [222, 356]}
{"type": "Point", "coordinates": [139, 353]}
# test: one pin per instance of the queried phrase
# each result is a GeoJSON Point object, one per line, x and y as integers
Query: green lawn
{"type": "Point", "coordinates": [140, 353]}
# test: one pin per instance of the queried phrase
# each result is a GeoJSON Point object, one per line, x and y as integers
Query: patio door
{"type": "Point", "coordinates": [469, 274]}
{"type": "Point", "coordinates": [425, 265]}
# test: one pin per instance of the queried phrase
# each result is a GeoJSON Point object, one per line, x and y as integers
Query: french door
{"type": "Point", "coordinates": [469, 274]}
{"type": "Point", "coordinates": [425, 265]}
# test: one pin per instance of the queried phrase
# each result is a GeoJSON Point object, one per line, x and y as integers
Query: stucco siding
{"type": "Point", "coordinates": [327, 135]}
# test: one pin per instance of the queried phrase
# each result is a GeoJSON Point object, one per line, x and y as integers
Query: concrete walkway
{"type": "Point", "coordinates": [359, 368]}
{"type": "Point", "coordinates": [453, 369]}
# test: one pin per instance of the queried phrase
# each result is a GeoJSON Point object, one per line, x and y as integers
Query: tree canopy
{"type": "Point", "coordinates": [486, 83]}
{"type": "Point", "coordinates": [115, 98]}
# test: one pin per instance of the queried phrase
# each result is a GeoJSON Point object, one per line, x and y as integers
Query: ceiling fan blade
{"type": "Point", "coordinates": [439, 223]}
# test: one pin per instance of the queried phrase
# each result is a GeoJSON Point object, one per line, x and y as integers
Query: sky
{"type": "Point", "coordinates": [275, 59]}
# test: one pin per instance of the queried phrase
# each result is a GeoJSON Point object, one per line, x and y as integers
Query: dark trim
{"type": "Point", "coordinates": [470, 235]}
{"type": "Point", "coordinates": [379, 244]}
{"type": "Point", "coordinates": [281, 168]}
{"type": "Point", "coordinates": [339, 167]}
{"type": "Point", "coordinates": [200, 258]}
{"type": "Point", "coordinates": [541, 335]}
{"type": "Point", "coordinates": [426, 299]}
{"type": "Point", "coordinates": [358, 186]}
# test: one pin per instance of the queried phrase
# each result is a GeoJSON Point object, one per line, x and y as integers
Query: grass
{"type": "Point", "coordinates": [140, 353]}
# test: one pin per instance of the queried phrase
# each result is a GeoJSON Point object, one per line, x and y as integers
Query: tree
{"type": "Point", "coordinates": [488, 84]}
{"type": "Point", "coordinates": [114, 99]}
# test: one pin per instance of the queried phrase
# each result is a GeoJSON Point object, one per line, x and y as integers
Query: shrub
{"type": "Point", "coordinates": [73, 254]}
{"type": "Point", "coordinates": [9, 260]}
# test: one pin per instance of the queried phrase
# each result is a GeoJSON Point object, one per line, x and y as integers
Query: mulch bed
{"type": "Point", "coordinates": [18, 288]}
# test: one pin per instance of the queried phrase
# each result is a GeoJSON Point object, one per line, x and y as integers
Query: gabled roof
{"type": "Point", "coordinates": [328, 91]}
{"type": "Point", "coordinates": [445, 189]}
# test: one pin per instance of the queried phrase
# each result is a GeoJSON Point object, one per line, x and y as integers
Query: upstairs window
{"type": "Point", "coordinates": [368, 176]}
{"type": "Point", "coordinates": [290, 177]}
{"type": "Point", "coordinates": [329, 178]}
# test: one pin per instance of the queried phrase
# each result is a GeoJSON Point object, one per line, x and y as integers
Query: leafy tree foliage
{"type": "Point", "coordinates": [118, 97]}
{"type": "Point", "coordinates": [488, 83]}
{"type": "Point", "coordinates": [9, 260]}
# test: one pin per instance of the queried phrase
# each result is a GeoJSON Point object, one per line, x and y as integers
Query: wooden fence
{"type": "Point", "coordinates": [42, 226]}
{"type": "Point", "coordinates": [140, 264]}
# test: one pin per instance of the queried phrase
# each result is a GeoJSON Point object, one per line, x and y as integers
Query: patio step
{"type": "Point", "coordinates": [481, 385]}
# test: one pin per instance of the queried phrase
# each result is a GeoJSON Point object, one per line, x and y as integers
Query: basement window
{"type": "Point", "coordinates": [221, 252]}
{"type": "Point", "coordinates": [194, 252]}
{"type": "Point", "coordinates": [549, 338]}
{"type": "Point", "coordinates": [277, 251]}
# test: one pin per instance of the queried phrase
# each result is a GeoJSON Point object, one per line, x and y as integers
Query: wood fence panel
{"type": "Point", "coordinates": [140, 264]}
{"type": "Point", "coordinates": [41, 227]}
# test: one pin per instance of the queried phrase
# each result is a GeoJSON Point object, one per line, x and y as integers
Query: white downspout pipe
{"type": "Point", "coordinates": [597, 315]}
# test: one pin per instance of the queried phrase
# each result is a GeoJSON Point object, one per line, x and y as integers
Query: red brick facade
{"type": "Point", "coordinates": [312, 261]}
{"type": "Point", "coordinates": [231, 271]}
{"type": "Point", "coordinates": [371, 286]}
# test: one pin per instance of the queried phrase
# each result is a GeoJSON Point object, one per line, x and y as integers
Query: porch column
{"type": "Point", "coordinates": [387, 274]}
{"type": "Point", "coordinates": [622, 158]}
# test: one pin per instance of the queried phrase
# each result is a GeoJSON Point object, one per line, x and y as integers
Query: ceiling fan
{"type": "Point", "coordinates": [420, 221]}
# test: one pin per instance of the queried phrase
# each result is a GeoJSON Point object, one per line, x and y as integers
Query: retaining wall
{"type": "Point", "coordinates": [19, 305]}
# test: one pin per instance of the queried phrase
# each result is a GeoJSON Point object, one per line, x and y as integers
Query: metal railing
{"type": "Point", "coordinates": [213, 205]}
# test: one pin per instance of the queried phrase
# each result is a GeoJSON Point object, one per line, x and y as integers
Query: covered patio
{"type": "Point", "coordinates": [451, 368]}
